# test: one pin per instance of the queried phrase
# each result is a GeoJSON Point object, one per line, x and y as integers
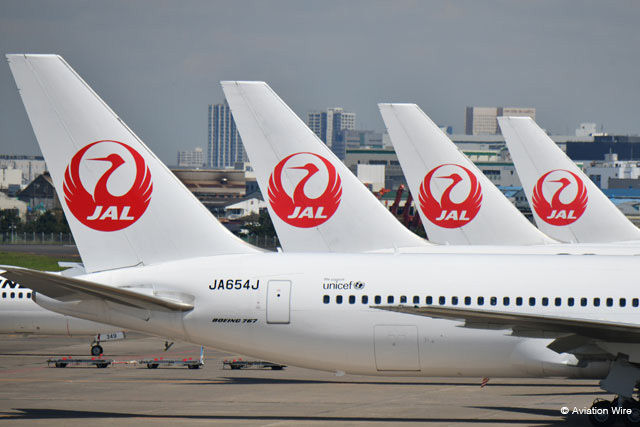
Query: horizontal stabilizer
{"type": "Point", "coordinates": [66, 289]}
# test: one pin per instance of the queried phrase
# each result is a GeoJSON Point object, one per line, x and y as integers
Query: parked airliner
{"type": "Point", "coordinates": [288, 157]}
{"type": "Point", "coordinates": [565, 203]}
{"type": "Point", "coordinates": [155, 263]}
{"type": "Point", "coordinates": [20, 315]}
{"type": "Point", "coordinates": [457, 203]}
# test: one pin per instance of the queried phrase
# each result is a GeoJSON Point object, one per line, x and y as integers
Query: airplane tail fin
{"type": "Point", "coordinates": [315, 202]}
{"type": "Point", "coordinates": [123, 205]}
{"type": "Point", "coordinates": [565, 203]}
{"type": "Point", "coordinates": [479, 213]}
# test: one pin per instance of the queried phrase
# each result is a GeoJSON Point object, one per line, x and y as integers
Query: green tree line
{"type": "Point", "coordinates": [47, 222]}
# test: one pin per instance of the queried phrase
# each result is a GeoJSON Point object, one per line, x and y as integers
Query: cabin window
{"type": "Point", "coordinates": [480, 300]}
{"type": "Point", "coordinates": [390, 299]}
{"type": "Point", "coordinates": [518, 300]}
{"type": "Point", "coordinates": [352, 299]}
{"type": "Point", "coordinates": [454, 300]}
{"type": "Point", "coordinates": [596, 302]}
{"type": "Point", "coordinates": [558, 302]}
{"type": "Point", "coordinates": [493, 300]}
{"type": "Point", "coordinates": [609, 302]}
{"type": "Point", "coordinates": [365, 299]}
{"type": "Point", "coordinates": [378, 299]}
{"type": "Point", "coordinates": [4, 295]}
{"type": "Point", "coordinates": [570, 302]}
{"type": "Point", "coordinates": [532, 301]}
{"type": "Point", "coordinates": [29, 295]}
{"type": "Point", "coordinates": [467, 300]}
{"type": "Point", "coordinates": [545, 301]}
{"type": "Point", "coordinates": [429, 300]}
{"type": "Point", "coordinates": [13, 294]}
{"type": "Point", "coordinates": [326, 299]}
{"type": "Point", "coordinates": [634, 302]}
{"type": "Point", "coordinates": [416, 299]}
{"type": "Point", "coordinates": [583, 302]}
{"type": "Point", "coordinates": [442, 300]}
{"type": "Point", "coordinates": [20, 295]}
{"type": "Point", "coordinates": [505, 301]}
{"type": "Point", "coordinates": [338, 299]}
{"type": "Point", "coordinates": [403, 299]}
{"type": "Point", "coordinates": [623, 302]}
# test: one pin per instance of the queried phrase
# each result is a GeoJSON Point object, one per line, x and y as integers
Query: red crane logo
{"type": "Point", "coordinates": [103, 211]}
{"type": "Point", "coordinates": [556, 212]}
{"type": "Point", "coordinates": [445, 212]}
{"type": "Point", "coordinates": [298, 209]}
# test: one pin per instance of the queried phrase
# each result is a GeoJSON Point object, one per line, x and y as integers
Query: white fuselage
{"type": "Point", "coordinates": [308, 310]}
{"type": "Point", "coordinates": [19, 314]}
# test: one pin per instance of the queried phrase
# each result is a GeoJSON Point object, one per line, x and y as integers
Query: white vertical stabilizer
{"type": "Point", "coordinates": [123, 205]}
{"type": "Point", "coordinates": [565, 203]}
{"type": "Point", "coordinates": [315, 202]}
{"type": "Point", "coordinates": [457, 203]}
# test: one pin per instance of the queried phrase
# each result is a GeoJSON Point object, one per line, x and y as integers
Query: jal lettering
{"type": "Point", "coordinates": [453, 215]}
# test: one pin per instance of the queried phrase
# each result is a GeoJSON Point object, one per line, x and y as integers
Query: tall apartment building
{"type": "Point", "coordinates": [483, 120]}
{"type": "Point", "coordinates": [328, 124]}
{"type": "Point", "coordinates": [224, 146]}
{"type": "Point", "coordinates": [191, 159]}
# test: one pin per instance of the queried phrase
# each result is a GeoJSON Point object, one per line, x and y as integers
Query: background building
{"type": "Point", "coordinates": [10, 179]}
{"type": "Point", "coordinates": [586, 129]}
{"type": "Point", "coordinates": [372, 176]}
{"type": "Point", "coordinates": [595, 147]}
{"type": "Point", "coordinates": [224, 145]}
{"type": "Point", "coordinates": [214, 188]}
{"type": "Point", "coordinates": [245, 207]}
{"type": "Point", "coordinates": [614, 173]}
{"type": "Point", "coordinates": [350, 139]}
{"type": "Point", "coordinates": [40, 194]}
{"type": "Point", "coordinates": [483, 120]}
{"type": "Point", "coordinates": [329, 124]}
{"type": "Point", "coordinates": [393, 175]}
{"type": "Point", "coordinates": [31, 166]}
{"type": "Point", "coordinates": [191, 159]}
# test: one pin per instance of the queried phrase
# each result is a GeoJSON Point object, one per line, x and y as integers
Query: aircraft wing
{"type": "Point", "coordinates": [569, 332]}
{"type": "Point", "coordinates": [64, 288]}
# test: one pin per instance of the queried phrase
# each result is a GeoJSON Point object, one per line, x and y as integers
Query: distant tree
{"type": "Point", "coordinates": [52, 221]}
{"type": "Point", "coordinates": [9, 218]}
{"type": "Point", "coordinates": [263, 226]}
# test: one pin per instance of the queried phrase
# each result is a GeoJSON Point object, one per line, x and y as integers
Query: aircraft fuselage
{"type": "Point", "coordinates": [309, 311]}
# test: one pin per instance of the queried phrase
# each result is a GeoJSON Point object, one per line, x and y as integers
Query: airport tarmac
{"type": "Point", "coordinates": [32, 393]}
